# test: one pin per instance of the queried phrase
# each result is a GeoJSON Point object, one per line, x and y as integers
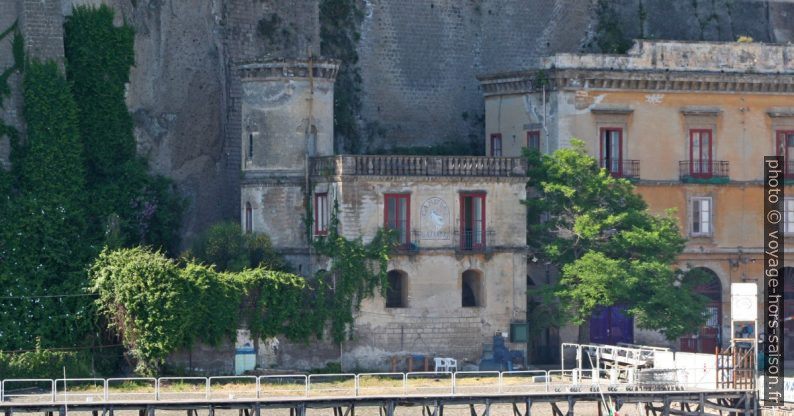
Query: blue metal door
{"type": "Point", "coordinates": [611, 325]}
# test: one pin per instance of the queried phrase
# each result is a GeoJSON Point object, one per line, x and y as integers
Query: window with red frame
{"type": "Point", "coordinates": [496, 145]}
{"type": "Point", "coordinates": [321, 216]}
{"type": "Point", "coordinates": [785, 147]}
{"type": "Point", "coordinates": [533, 140]}
{"type": "Point", "coordinates": [472, 221]}
{"type": "Point", "coordinates": [700, 144]}
{"type": "Point", "coordinates": [397, 216]}
{"type": "Point", "coordinates": [612, 150]}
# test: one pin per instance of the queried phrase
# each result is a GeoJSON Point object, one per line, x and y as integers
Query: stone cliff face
{"type": "Point", "coordinates": [418, 62]}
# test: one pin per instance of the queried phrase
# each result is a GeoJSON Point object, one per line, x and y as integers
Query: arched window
{"type": "Point", "coordinates": [472, 294]}
{"type": "Point", "coordinates": [709, 335]}
{"type": "Point", "coordinates": [249, 218]}
{"type": "Point", "coordinates": [397, 292]}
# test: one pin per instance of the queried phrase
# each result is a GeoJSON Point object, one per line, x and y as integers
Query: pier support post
{"type": "Point", "coordinates": [571, 404]}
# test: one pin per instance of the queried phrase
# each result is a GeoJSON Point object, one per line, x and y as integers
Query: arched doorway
{"type": "Point", "coordinates": [708, 337]}
{"type": "Point", "coordinates": [788, 312]}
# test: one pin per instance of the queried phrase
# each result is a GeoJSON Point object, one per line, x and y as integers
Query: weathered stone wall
{"type": "Point", "coordinates": [184, 92]}
{"type": "Point", "coordinates": [419, 60]}
{"type": "Point", "coordinates": [418, 64]}
{"type": "Point", "coordinates": [41, 22]}
{"type": "Point", "coordinates": [10, 112]}
{"type": "Point", "coordinates": [433, 321]}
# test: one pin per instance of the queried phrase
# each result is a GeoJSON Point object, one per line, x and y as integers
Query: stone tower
{"type": "Point", "coordinates": [287, 118]}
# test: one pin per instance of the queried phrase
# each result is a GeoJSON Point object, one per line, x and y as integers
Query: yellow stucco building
{"type": "Point", "coordinates": [689, 123]}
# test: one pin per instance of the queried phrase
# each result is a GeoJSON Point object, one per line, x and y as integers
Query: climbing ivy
{"type": "Point", "coordinates": [98, 59]}
{"type": "Point", "coordinates": [339, 22]}
{"type": "Point", "coordinates": [75, 184]}
{"type": "Point", "coordinates": [357, 269]}
{"type": "Point", "coordinates": [157, 305]}
{"type": "Point", "coordinates": [42, 232]}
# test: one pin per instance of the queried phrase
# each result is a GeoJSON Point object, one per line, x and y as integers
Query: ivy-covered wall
{"type": "Point", "coordinates": [43, 241]}
{"type": "Point", "coordinates": [129, 206]}
{"type": "Point", "coordinates": [75, 185]}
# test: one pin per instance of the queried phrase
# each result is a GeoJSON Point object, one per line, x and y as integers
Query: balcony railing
{"type": "Point", "coordinates": [368, 165]}
{"type": "Point", "coordinates": [703, 171]}
{"type": "Point", "coordinates": [622, 168]}
{"type": "Point", "coordinates": [474, 240]}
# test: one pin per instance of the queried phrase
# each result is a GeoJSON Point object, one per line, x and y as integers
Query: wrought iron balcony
{"type": "Point", "coordinates": [473, 241]}
{"type": "Point", "coordinates": [703, 171]}
{"type": "Point", "coordinates": [621, 168]}
{"type": "Point", "coordinates": [376, 165]}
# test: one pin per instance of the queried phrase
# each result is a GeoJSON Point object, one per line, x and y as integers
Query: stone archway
{"type": "Point", "coordinates": [709, 336]}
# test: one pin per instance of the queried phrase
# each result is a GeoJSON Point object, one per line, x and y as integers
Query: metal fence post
{"type": "Point", "coordinates": [547, 381]}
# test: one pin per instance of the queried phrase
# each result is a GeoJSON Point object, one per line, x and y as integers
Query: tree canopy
{"type": "Point", "coordinates": [609, 249]}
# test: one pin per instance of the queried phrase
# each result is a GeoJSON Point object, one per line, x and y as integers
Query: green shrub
{"type": "Point", "coordinates": [226, 247]}
{"type": "Point", "coordinates": [45, 364]}
{"type": "Point", "coordinates": [157, 306]}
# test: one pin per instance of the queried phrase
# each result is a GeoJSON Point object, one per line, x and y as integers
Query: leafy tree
{"type": "Point", "coordinates": [225, 247]}
{"type": "Point", "coordinates": [610, 250]}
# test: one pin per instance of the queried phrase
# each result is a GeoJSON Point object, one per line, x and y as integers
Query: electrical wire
{"type": "Point", "coordinates": [62, 348]}
{"type": "Point", "coordinates": [70, 295]}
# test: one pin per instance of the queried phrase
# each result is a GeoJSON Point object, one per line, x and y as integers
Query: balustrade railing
{"type": "Point", "coordinates": [349, 385]}
{"type": "Point", "coordinates": [370, 165]}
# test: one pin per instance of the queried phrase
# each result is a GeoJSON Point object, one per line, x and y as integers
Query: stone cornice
{"type": "Point", "coordinates": [287, 69]}
{"type": "Point", "coordinates": [639, 80]}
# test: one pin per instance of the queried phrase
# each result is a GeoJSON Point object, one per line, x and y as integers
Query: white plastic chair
{"type": "Point", "coordinates": [441, 364]}
{"type": "Point", "coordinates": [452, 364]}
